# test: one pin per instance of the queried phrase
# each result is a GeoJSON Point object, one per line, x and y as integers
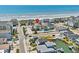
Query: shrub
{"type": "Point", "coordinates": [33, 44]}
{"type": "Point", "coordinates": [17, 50]}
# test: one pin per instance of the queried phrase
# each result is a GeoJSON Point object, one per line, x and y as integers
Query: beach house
{"type": "Point", "coordinates": [5, 48]}
{"type": "Point", "coordinates": [6, 29]}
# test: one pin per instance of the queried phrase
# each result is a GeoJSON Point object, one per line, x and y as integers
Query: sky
{"type": "Point", "coordinates": [38, 9]}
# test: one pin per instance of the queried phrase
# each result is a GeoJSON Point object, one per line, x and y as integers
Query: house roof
{"type": "Point", "coordinates": [3, 40]}
{"type": "Point", "coordinates": [44, 49]}
{"type": "Point", "coordinates": [71, 35]}
{"type": "Point", "coordinates": [5, 22]}
{"type": "Point", "coordinates": [3, 31]}
{"type": "Point", "coordinates": [49, 43]}
{"type": "Point", "coordinates": [4, 46]}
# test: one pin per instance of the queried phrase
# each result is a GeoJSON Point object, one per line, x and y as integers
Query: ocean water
{"type": "Point", "coordinates": [38, 9]}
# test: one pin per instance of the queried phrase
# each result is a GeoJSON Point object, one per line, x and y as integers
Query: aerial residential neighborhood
{"type": "Point", "coordinates": [39, 29]}
{"type": "Point", "coordinates": [40, 35]}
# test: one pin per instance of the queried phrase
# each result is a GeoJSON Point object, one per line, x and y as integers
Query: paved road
{"type": "Point", "coordinates": [21, 39]}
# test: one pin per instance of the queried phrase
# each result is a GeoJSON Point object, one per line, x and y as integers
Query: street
{"type": "Point", "coordinates": [21, 39]}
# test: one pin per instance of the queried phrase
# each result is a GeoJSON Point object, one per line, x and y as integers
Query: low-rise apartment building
{"type": "Point", "coordinates": [6, 29]}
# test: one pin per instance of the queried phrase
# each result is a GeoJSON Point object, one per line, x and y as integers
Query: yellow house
{"type": "Point", "coordinates": [66, 40]}
{"type": "Point", "coordinates": [48, 37]}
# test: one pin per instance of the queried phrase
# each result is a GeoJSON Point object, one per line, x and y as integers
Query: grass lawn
{"type": "Point", "coordinates": [61, 44]}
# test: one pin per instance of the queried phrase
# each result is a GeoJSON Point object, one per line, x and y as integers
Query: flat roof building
{"type": "Point", "coordinates": [44, 49]}
{"type": "Point", "coordinates": [50, 44]}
